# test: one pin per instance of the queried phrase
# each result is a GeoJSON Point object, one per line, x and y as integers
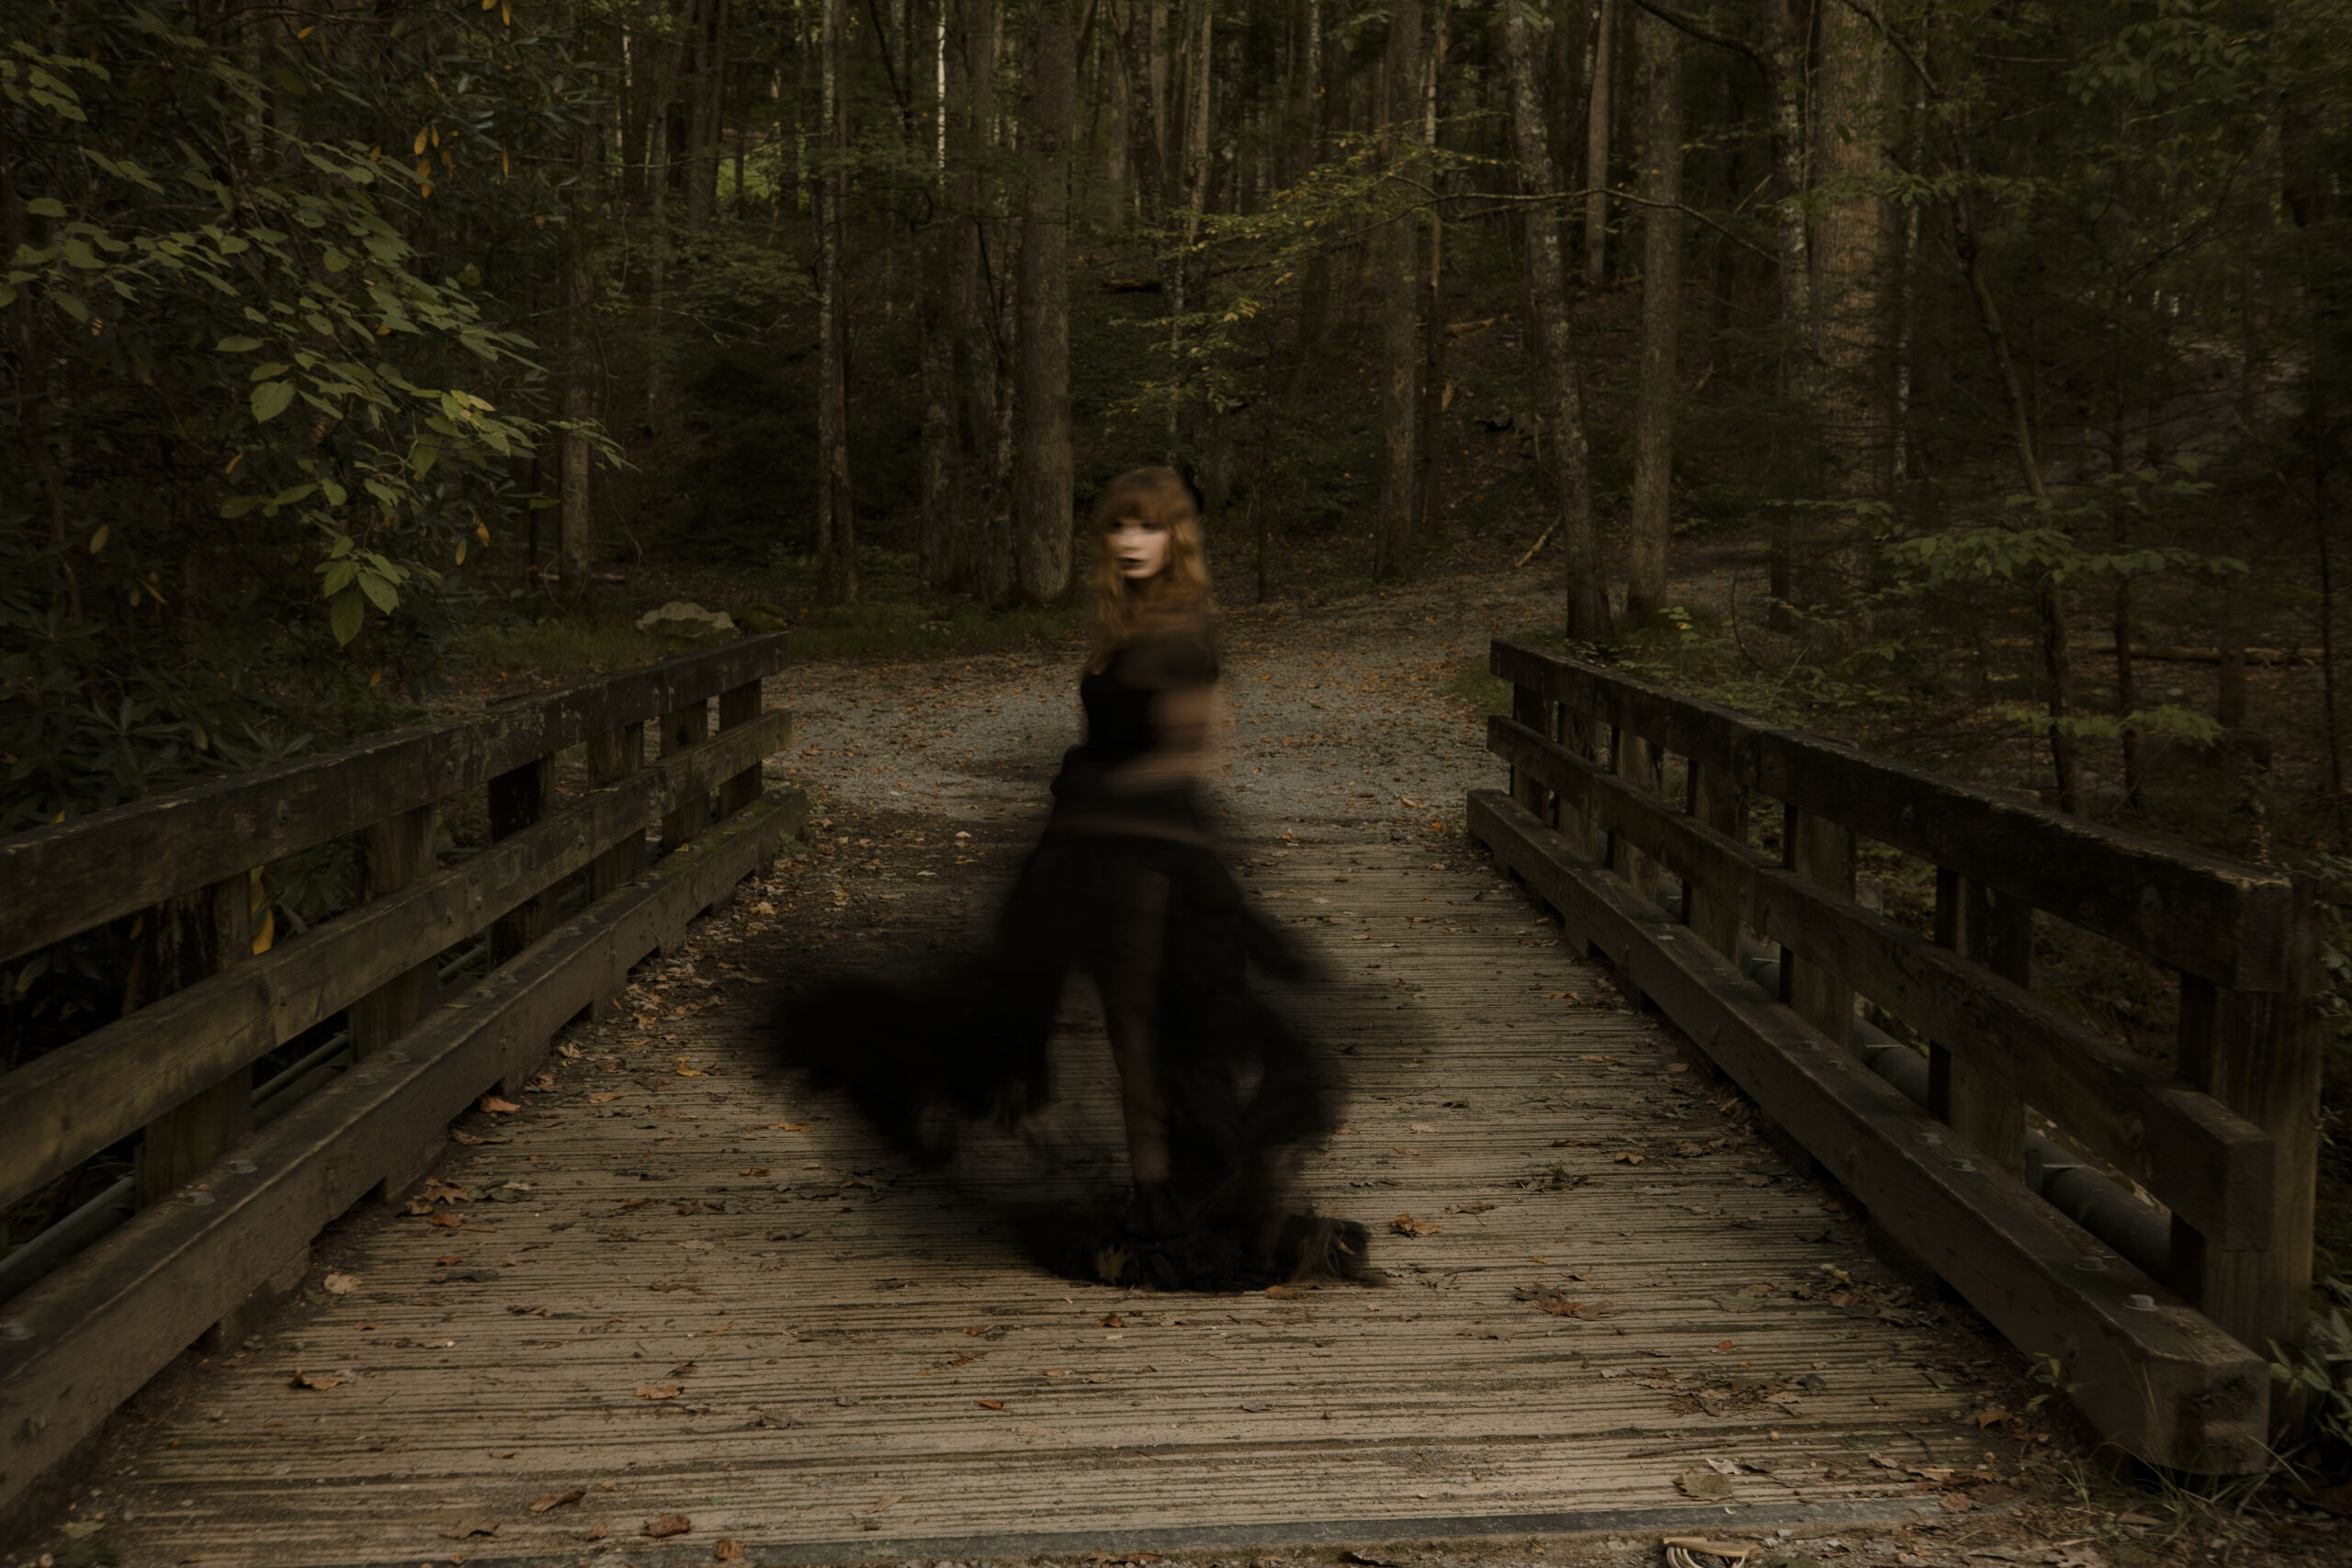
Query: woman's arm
{"type": "Point", "coordinates": [1184, 718]}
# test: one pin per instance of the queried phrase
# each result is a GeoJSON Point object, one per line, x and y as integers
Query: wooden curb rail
{"type": "Point", "coordinates": [228, 1213]}
{"type": "Point", "coordinates": [2227, 1142]}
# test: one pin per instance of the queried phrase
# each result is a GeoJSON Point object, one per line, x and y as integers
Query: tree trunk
{"type": "Point", "coordinates": [1399, 300]}
{"type": "Point", "coordinates": [1782, 58]}
{"type": "Point", "coordinates": [1658, 60]}
{"type": "Point", "coordinates": [1586, 607]}
{"type": "Point", "coordinates": [1042, 485]}
{"type": "Point", "coordinates": [1428, 512]}
{"type": "Point", "coordinates": [1596, 145]}
{"type": "Point", "coordinates": [836, 524]}
{"type": "Point", "coordinates": [1134, 50]}
{"type": "Point", "coordinates": [1850, 250]}
{"type": "Point", "coordinates": [576, 565]}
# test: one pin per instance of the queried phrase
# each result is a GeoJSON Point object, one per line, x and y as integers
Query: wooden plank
{"type": "Point", "coordinates": [518, 799]}
{"type": "Point", "coordinates": [613, 757]}
{"type": "Point", "coordinates": [155, 1060]}
{"type": "Point", "coordinates": [150, 850]}
{"type": "Point", "coordinates": [1975, 1092]}
{"type": "Point", "coordinates": [1530, 708]}
{"type": "Point", "coordinates": [2226, 919]}
{"type": "Point", "coordinates": [1822, 852]}
{"type": "Point", "coordinates": [195, 935]}
{"type": "Point", "coordinates": [86, 1338]}
{"type": "Point", "coordinates": [738, 707]}
{"type": "Point", "coordinates": [393, 853]}
{"type": "Point", "coordinates": [2159, 1381]}
{"type": "Point", "coordinates": [681, 731]}
{"type": "Point", "coordinates": [2197, 1155]}
{"type": "Point", "coordinates": [2261, 1054]}
{"type": "Point", "coordinates": [1718, 802]}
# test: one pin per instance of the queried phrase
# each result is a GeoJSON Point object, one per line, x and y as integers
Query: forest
{"type": "Point", "coordinates": [1970, 378]}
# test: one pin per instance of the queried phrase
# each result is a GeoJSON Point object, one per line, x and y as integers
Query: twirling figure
{"type": "Point", "coordinates": [1219, 1093]}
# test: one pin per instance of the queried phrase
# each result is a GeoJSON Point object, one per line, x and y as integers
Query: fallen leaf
{"type": "Point", "coordinates": [1627, 1157]}
{"type": "Point", "coordinates": [466, 1529]}
{"type": "Point", "coordinates": [597, 1534]}
{"type": "Point", "coordinates": [460, 1136]}
{"type": "Point", "coordinates": [496, 1106]}
{"type": "Point", "coordinates": [447, 1222]}
{"type": "Point", "coordinates": [668, 1523]}
{"type": "Point", "coordinates": [727, 1548]}
{"type": "Point", "coordinates": [754, 1170]}
{"type": "Point", "coordinates": [1405, 1224]}
{"type": "Point", "coordinates": [1365, 1562]}
{"type": "Point", "coordinates": [1468, 1208]}
{"type": "Point", "coordinates": [791, 1126]}
{"type": "Point", "coordinates": [989, 1403]}
{"type": "Point", "coordinates": [318, 1380]}
{"type": "Point", "coordinates": [1110, 1320]}
{"type": "Point", "coordinates": [1419, 1127]}
{"type": "Point", "coordinates": [557, 1500]}
{"type": "Point", "coordinates": [341, 1284]}
{"type": "Point", "coordinates": [657, 1391]}
{"type": "Point", "coordinates": [2137, 1519]}
{"type": "Point", "coordinates": [1723, 1344]}
{"type": "Point", "coordinates": [1956, 1502]}
{"type": "Point", "coordinates": [1281, 1292]}
{"type": "Point", "coordinates": [543, 1082]}
{"type": "Point", "coordinates": [606, 1098]}
{"type": "Point", "coordinates": [1986, 1417]}
{"type": "Point", "coordinates": [882, 1503]}
{"type": "Point", "coordinates": [685, 1067]}
{"type": "Point", "coordinates": [1704, 1483]}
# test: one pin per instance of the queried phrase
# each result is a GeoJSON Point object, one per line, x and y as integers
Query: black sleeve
{"type": "Point", "coordinates": [1174, 662]}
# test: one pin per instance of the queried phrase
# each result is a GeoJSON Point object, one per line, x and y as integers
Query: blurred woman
{"type": "Point", "coordinates": [1218, 1093]}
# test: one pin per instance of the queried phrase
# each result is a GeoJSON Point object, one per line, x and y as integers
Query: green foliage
{"type": "Point", "coordinates": [264, 424]}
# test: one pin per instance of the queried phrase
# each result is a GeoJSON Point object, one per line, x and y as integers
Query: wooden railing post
{"type": "Point", "coordinates": [518, 797]}
{"type": "Point", "coordinates": [739, 707]}
{"type": "Point", "coordinates": [2260, 1054]}
{"type": "Point", "coordinates": [1531, 709]}
{"type": "Point", "coordinates": [1822, 851]}
{"type": "Point", "coordinates": [1719, 800]}
{"type": "Point", "coordinates": [1633, 759]}
{"type": "Point", "coordinates": [393, 853]}
{"type": "Point", "coordinates": [193, 935]}
{"type": "Point", "coordinates": [612, 757]}
{"type": "Point", "coordinates": [681, 729]}
{"type": "Point", "coordinates": [1975, 1092]}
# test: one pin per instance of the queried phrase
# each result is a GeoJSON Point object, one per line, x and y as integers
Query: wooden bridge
{"type": "Point", "coordinates": [1621, 1104]}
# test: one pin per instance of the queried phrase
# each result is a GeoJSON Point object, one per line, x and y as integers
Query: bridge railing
{"type": "Point", "coordinates": [2164, 1338]}
{"type": "Point", "coordinates": [230, 1192]}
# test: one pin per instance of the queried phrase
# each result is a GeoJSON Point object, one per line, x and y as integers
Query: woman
{"type": "Point", "coordinates": [1218, 1092]}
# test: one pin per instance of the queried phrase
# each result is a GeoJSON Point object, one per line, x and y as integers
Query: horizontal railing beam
{"type": "Point", "coordinates": [111, 863]}
{"type": "Point", "coordinates": [2228, 921]}
{"type": "Point", "coordinates": [65, 1106]}
{"type": "Point", "coordinates": [2206, 1163]}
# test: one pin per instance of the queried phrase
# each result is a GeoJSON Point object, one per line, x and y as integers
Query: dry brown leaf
{"type": "Point", "coordinates": [496, 1106]}
{"type": "Point", "coordinates": [341, 1284]}
{"type": "Point", "coordinates": [727, 1548]}
{"type": "Point", "coordinates": [1110, 1320]}
{"type": "Point", "coordinates": [1956, 1502]}
{"type": "Point", "coordinates": [989, 1403]}
{"type": "Point", "coordinates": [685, 1067]}
{"type": "Point", "coordinates": [317, 1379]}
{"type": "Point", "coordinates": [447, 1222]}
{"type": "Point", "coordinates": [1627, 1157]}
{"type": "Point", "coordinates": [597, 1534]}
{"type": "Point", "coordinates": [668, 1523]}
{"type": "Point", "coordinates": [1986, 1417]}
{"type": "Point", "coordinates": [754, 1170]}
{"type": "Point", "coordinates": [557, 1500]}
{"type": "Point", "coordinates": [657, 1391]}
{"type": "Point", "coordinates": [1704, 1483]}
{"type": "Point", "coordinates": [1281, 1292]}
{"type": "Point", "coordinates": [1405, 1224]}
{"type": "Point", "coordinates": [606, 1098]}
{"type": "Point", "coordinates": [1417, 1128]}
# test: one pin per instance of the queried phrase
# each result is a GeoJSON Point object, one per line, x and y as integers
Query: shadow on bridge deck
{"type": "Point", "coordinates": [707, 1298]}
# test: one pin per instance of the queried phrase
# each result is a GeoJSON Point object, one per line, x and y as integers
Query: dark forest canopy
{"type": "Point", "coordinates": [335, 329]}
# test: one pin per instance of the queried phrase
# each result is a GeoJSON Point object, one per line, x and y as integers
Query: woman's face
{"type": "Point", "coordinates": [1140, 548]}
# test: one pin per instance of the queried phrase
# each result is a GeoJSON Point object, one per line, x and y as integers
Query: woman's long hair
{"type": "Point", "coordinates": [1178, 595]}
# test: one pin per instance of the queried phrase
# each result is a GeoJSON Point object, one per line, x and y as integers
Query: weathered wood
{"type": "Point", "coordinates": [190, 937]}
{"type": "Point", "coordinates": [2198, 1157]}
{"type": "Point", "coordinates": [1530, 708]}
{"type": "Point", "coordinates": [736, 708]}
{"type": "Point", "coordinates": [150, 850]}
{"type": "Point", "coordinates": [155, 1060]}
{"type": "Point", "coordinates": [86, 1338]}
{"type": "Point", "coordinates": [681, 731]}
{"type": "Point", "coordinates": [393, 853]}
{"type": "Point", "coordinates": [612, 758]}
{"type": "Point", "coordinates": [2159, 1381]}
{"type": "Point", "coordinates": [1632, 760]}
{"type": "Point", "coordinates": [1718, 801]}
{"type": "Point", "coordinates": [1975, 1091]}
{"type": "Point", "coordinates": [2200, 913]}
{"type": "Point", "coordinates": [519, 799]}
{"type": "Point", "coordinates": [2261, 1055]}
{"type": "Point", "coordinates": [1823, 853]}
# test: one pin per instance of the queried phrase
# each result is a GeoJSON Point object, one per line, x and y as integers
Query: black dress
{"type": "Point", "coordinates": [1243, 1091]}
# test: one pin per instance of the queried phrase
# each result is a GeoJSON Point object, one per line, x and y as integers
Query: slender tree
{"type": "Point", "coordinates": [1042, 520]}
{"type": "Point", "coordinates": [1398, 260]}
{"type": "Point", "coordinates": [836, 522]}
{"type": "Point", "coordinates": [1658, 61]}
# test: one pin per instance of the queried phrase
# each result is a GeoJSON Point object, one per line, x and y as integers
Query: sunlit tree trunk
{"type": "Point", "coordinates": [1587, 606]}
{"type": "Point", "coordinates": [1042, 483]}
{"type": "Point", "coordinates": [1400, 348]}
{"type": "Point", "coordinates": [1658, 60]}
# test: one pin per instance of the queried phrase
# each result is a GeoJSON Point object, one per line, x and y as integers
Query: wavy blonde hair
{"type": "Point", "coordinates": [1178, 594]}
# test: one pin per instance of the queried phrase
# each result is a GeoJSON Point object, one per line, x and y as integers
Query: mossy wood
{"type": "Point", "coordinates": [2227, 1144]}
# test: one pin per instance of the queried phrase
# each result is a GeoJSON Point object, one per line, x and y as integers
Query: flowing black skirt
{"type": "Point", "coordinates": [1244, 1091]}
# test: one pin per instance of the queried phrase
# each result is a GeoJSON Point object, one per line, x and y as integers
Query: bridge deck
{"type": "Point", "coordinates": [863, 1367]}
